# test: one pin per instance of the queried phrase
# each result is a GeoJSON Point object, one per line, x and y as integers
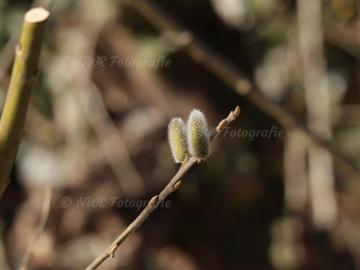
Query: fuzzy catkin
{"type": "Point", "coordinates": [177, 140]}
{"type": "Point", "coordinates": [198, 134]}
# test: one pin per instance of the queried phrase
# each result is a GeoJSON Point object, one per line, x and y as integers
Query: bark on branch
{"type": "Point", "coordinates": [23, 78]}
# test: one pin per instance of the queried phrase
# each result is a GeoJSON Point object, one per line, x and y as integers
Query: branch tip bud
{"type": "Point", "coordinates": [237, 111]}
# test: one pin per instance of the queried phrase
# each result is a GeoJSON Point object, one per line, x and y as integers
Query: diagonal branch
{"type": "Point", "coordinates": [232, 76]}
{"type": "Point", "coordinates": [174, 183]}
{"type": "Point", "coordinates": [23, 78]}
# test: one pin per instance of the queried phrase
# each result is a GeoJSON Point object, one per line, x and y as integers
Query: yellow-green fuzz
{"type": "Point", "coordinates": [177, 140]}
{"type": "Point", "coordinates": [198, 134]}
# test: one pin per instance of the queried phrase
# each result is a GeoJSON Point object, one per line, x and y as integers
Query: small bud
{"type": "Point", "coordinates": [153, 201]}
{"type": "Point", "coordinates": [176, 185]}
{"type": "Point", "coordinates": [177, 140]}
{"type": "Point", "coordinates": [221, 125]}
{"type": "Point", "coordinates": [237, 111]}
{"type": "Point", "coordinates": [230, 117]}
{"type": "Point", "coordinates": [198, 134]}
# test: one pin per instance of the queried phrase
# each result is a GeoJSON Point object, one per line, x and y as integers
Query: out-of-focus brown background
{"type": "Point", "coordinates": [96, 135]}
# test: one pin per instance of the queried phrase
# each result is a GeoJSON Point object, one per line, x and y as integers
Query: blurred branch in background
{"type": "Point", "coordinates": [287, 249]}
{"type": "Point", "coordinates": [295, 173]}
{"type": "Point", "coordinates": [321, 175]}
{"type": "Point", "coordinates": [6, 57]}
{"type": "Point", "coordinates": [3, 253]}
{"type": "Point", "coordinates": [110, 140]}
{"type": "Point", "coordinates": [91, 106]}
{"type": "Point", "coordinates": [234, 78]}
{"type": "Point", "coordinates": [44, 215]}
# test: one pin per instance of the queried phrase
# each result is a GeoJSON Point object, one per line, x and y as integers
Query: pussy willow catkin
{"type": "Point", "coordinates": [177, 140]}
{"type": "Point", "coordinates": [198, 134]}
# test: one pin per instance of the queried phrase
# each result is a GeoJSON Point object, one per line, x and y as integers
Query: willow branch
{"type": "Point", "coordinates": [173, 184]}
{"type": "Point", "coordinates": [44, 216]}
{"type": "Point", "coordinates": [23, 78]}
{"type": "Point", "coordinates": [233, 77]}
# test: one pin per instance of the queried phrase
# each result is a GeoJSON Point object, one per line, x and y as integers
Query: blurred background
{"type": "Point", "coordinates": [114, 72]}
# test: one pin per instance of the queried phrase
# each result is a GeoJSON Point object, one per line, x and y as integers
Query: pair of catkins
{"type": "Point", "coordinates": [191, 139]}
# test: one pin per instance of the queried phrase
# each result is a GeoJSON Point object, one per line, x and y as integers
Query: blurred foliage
{"type": "Point", "coordinates": [230, 212]}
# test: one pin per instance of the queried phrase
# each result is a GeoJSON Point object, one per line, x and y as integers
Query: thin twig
{"type": "Point", "coordinates": [174, 184]}
{"type": "Point", "coordinates": [232, 76]}
{"type": "Point", "coordinates": [44, 216]}
{"type": "Point", "coordinates": [23, 78]}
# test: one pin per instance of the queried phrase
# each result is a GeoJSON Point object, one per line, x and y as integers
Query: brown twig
{"type": "Point", "coordinates": [174, 184]}
{"type": "Point", "coordinates": [44, 216]}
{"type": "Point", "coordinates": [232, 76]}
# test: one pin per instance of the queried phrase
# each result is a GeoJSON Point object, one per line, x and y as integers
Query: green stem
{"type": "Point", "coordinates": [23, 78]}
